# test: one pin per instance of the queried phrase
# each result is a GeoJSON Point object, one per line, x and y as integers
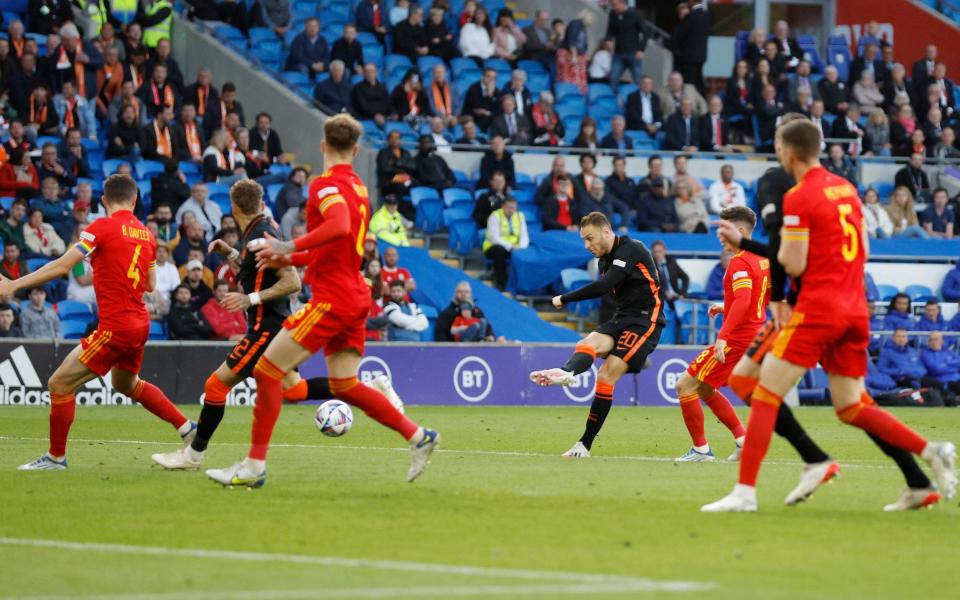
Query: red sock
{"type": "Point", "coordinates": [722, 408]}
{"type": "Point", "coordinates": [743, 386]}
{"type": "Point", "coordinates": [151, 398]}
{"type": "Point", "coordinates": [763, 417]}
{"type": "Point", "coordinates": [884, 425]}
{"type": "Point", "coordinates": [62, 409]}
{"type": "Point", "coordinates": [297, 392]}
{"type": "Point", "coordinates": [693, 418]}
{"type": "Point", "coordinates": [267, 409]}
{"type": "Point", "coordinates": [374, 404]}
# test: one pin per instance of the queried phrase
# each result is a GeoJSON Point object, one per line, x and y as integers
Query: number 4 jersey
{"type": "Point", "coordinates": [122, 253]}
{"type": "Point", "coordinates": [825, 209]}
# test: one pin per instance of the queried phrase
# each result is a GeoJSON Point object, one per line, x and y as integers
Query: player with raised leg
{"type": "Point", "coordinates": [830, 323]}
{"type": "Point", "coordinates": [334, 320]}
{"type": "Point", "coordinates": [121, 251]}
{"type": "Point", "coordinates": [746, 291]}
{"type": "Point", "coordinates": [267, 305]}
{"type": "Point", "coordinates": [627, 339]}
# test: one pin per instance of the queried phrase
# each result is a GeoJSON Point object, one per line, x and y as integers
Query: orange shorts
{"type": "Point", "coordinates": [331, 327]}
{"type": "Point", "coordinates": [838, 342]}
{"type": "Point", "coordinates": [762, 342]}
{"type": "Point", "coordinates": [104, 349]}
{"type": "Point", "coordinates": [707, 369]}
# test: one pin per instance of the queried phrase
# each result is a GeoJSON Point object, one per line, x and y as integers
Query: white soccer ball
{"type": "Point", "coordinates": [334, 418]}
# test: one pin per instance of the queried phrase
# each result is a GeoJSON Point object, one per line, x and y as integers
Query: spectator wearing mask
{"type": "Point", "coordinates": [901, 363]}
{"type": "Point", "coordinates": [8, 326]}
{"type": "Point", "coordinates": [404, 319]}
{"type": "Point", "coordinates": [714, 288]}
{"type": "Point", "coordinates": [430, 169]}
{"type": "Point", "coordinates": [559, 205]}
{"type": "Point", "coordinates": [224, 324]}
{"type": "Point", "coordinates": [463, 294]}
{"type": "Point", "coordinates": [185, 321]}
{"type": "Point", "coordinates": [938, 219]}
{"type": "Point", "coordinates": [335, 91]}
{"type": "Point", "coordinates": [308, 51]}
{"type": "Point", "coordinates": [726, 192]}
{"type": "Point", "coordinates": [898, 314]}
{"type": "Point", "coordinates": [951, 284]}
{"type": "Point", "coordinates": [674, 281]}
{"type": "Point", "coordinates": [388, 224]}
{"type": "Point", "coordinates": [497, 159]}
{"type": "Point", "coordinates": [41, 238]}
{"type": "Point", "coordinates": [931, 320]}
{"type": "Point", "coordinates": [875, 217]}
{"type": "Point", "coordinates": [940, 364]}
{"type": "Point", "coordinates": [506, 231]}
{"type": "Point", "coordinates": [657, 211]}
{"type": "Point", "coordinates": [38, 320]}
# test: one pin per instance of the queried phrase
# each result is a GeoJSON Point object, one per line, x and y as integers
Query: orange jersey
{"type": "Point", "coordinates": [122, 253]}
{"type": "Point", "coordinates": [333, 272]}
{"type": "Point", "coordinates": [746, 292]}
{"type": "Point", "coordinates": [825, 209]}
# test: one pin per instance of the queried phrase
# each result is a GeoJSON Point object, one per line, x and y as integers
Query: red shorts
{"type": "Point", "coordinates": [104, 349]}
{"type": "Point", "coordinates": [707, 369]}
{"type": "Point", "coordinates": [839, 343]}
{"type": "Point", "coordinates": [331, 327]}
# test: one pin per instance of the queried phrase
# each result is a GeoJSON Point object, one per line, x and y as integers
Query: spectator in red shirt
{"type": "Point", "coordinates": [466, 327]}
{"type": "Point", "coordinates": [391, 272]}
{"type": "Point", "coordinates": [12, 267]}
{"type": "Point", "coordinates": [18, 176]}
{"type": "Point", "coordinates": [226, 325]}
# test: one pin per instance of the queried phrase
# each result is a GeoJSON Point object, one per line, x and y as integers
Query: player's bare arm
{"type": "Point", "coordinates": [151, 283]}
{"type": "Point", "coordinates": [48, 272]}
{"type": "Point", "coordinates": [288, 283]}
{"type": "Point", "coordinates": [224, 249]}
{"type": "Point", "coordinates": [793, 253]}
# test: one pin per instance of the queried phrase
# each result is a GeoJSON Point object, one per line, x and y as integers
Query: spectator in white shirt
{"type": "Point", "coordinates": [207, 213]}
{"type": "Point", "coordinates": [601, 63]}
{"type": "Point", "coordinates": [440, 142]}
{"type": "Point", "coordinates": [726, 192]}
{"type": "Point", "coordinates": [168, 277]}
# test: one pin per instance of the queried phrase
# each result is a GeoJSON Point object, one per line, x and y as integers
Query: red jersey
{"type": "Point", "coordinates": [825, 209]}
{"type": "Point", "coordinates": [122, 253]}
{"type": "Point", "coordinates": [333, 272]}
{"type": "Point", "coordinates": [746, 292]}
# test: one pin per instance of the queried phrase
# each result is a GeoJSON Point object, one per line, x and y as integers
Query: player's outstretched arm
{"type": "Point", "coordinates": [793, 252]}
{"type": "Point", "coordinates": [48, 272]}
{"type": "Point", "coordinates": [596, 289]}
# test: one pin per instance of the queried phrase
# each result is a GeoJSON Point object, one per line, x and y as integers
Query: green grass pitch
{"type": "Point", "coordinates": [498, 514]}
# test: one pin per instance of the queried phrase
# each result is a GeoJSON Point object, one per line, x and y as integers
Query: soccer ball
{"type": "Point", "coordinates": [334, 418]}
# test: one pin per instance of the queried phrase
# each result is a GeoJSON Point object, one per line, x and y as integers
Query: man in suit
{"type": "Point", "coordinates": [674, 281]}
{"type": "Point", "coordinates": [833, 91]}
{"type": "Point", "coordinates": [521, 94]}
{"type": "Point", "coordinates": [617, 138]}
{"type": "Point", "coordinates": [643, 109]}
{"type": "Point", "coordinates": [848, 128]}
{"type": "Point", "coordinates": [768, 111]}
{"type": "Point", "coordinates": [511, 126]}
{"type": "Point", "coordinates": [870, 61]}
{"type": "Point", "coordinates": [714, 133]}
{"type": "Point", "coordinates": [802, 80]}
{"type": "Point", "coordinates": [162, 140]}
{"type": "Point", "coordinates": [683, 129]}
{"type": "Point", "coordinates": [923, 71]}
{"type": "Point", "coordinates": [202, 94]}
{"type": "Point", "coordinates": [788, 46]}
{"type": "Point", "coordinates": [481, 100]}
{"type": "Point", "coordinates": [690, 44]}
{"type": "Point", "coordinates": [947, 102]}
{"type": "Point", "coordinates": [539, 46]}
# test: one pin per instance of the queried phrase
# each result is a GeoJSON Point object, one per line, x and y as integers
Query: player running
{"type": "Point", "coordinates": [830, 323]}
{"type": "Point", "coordinates": [334, 320]}
{"type": "Point", "coordinates": [267, 306]}
{"type": "Point", "coordinates": [627, 339]}
{"type": "Point", "coordinates": [746, 291]}
{"type": "Point", "coordinates": [818, 468]}
{"type": "Point", "coordinates": [121, 251]}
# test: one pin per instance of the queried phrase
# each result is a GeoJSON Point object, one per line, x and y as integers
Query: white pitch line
{"type": "Point", "coordinates": [642, 583]}
{"type": "Point", "coordinates": [667, 459]}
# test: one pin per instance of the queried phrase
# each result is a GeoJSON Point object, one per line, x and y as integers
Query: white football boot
{"type": "Point", "coordinates": [420, 451]}
{"type": "Point", "coordinates": [553, 377]}
{"type": "Point", "coordinates": [913, 499]}
{"type": "Point", "coordinates": [812, 477]}
{"type": "Point", "coordinates": [177, 460]}
{"type": "Point", "coordinates": [238, 475]}
{"type": "Point", "coordinates": [45, 463]}
{"type": "Point", "coordinates": [578, 450]}
{"type": "Point", "coordinates": [942, 458]}
{"type": "Point", "coordinates": [743, 498]}
{"type": "Point", "coordinates": [382, 384]}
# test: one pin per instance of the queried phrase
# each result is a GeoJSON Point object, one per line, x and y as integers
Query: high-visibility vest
{"type": "Point", "coordinates": [161, 31]}
{"type": "Point", "coordinates": [96, 11]}
{"type": "Point", "coordinates": [124, 10]}
{"type": "Point", "coordinates": [509, 228]}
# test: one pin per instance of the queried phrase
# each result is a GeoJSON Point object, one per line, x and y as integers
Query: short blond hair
{"type": "Point", "coordinates": [247, 195]}
{"type": "Point", "coordinates": [341, 132]}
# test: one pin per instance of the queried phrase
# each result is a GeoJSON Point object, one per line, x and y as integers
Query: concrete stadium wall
{"type": "Point", "coordinates": [300, 125]}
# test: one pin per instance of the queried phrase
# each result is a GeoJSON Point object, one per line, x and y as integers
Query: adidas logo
{"type": "Point", "coordinates": [242, 394]}
{"type": "Point", "coordinates": [21, 386]}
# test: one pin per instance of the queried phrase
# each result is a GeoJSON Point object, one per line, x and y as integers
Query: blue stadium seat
{"type": "Point", "coordinates": [919, 293]}
{"type": "Point", "coordinates": [217, 188]}
{"type": "Point", "coordinates": [6, 203]}
{"type": "Point", "coordinates": [429, 215]}
{"type": "Point", "coordinates": [223, 201]}
{"type": "Point", "coordinates": [229, 33]}
{"type": "Point", "coordinates": [562, 90]}
{"type": "Point", "coordinates": [110, 165]}
{"type": "Point", "coordinates": [452, 214]}
{"type": "Point", "coordinates": [425, 64]}
{"type": "Point", "coordinates": [538, 82]}
{"type": "Point", "coordinates": [365, 37]}
{"type": "Point", "coordinates": [603, 111]}
{"type": "Point", "coordinates": [190, 168]}
{"type": "Point", "coordinates": [373, 54]}
{"type": "Point", "coordinates": [463, 236]}
{"type": "Point", "coordinates": [523, 195]}
{"type": "Point", "coordinates": [498, 64]}
{"type": "Point", "coordinates": [297, 78]}
{"type": "Point", "coordinates": [273, 190]}
{"type": "Point", "coordinates": [258, 35]}
{"type": "Point", "coordinates": [420, 193]}
{"type": "Point", "coordinates": [596, 90]}
{"type": "Point", "coordinates": [145, 168]}
{"type": "Point", "coordinates": [157, 331]}
{"type": "Point", "coordinates": [73, 330]}
{"type": "Point", "coordinates": [35, 263]}
{"type": "Point", "coordinates": [887, 291]}
{"type": "Point", "coordinates": [453, 195]}
{"type": "Point", "coordinates": [884, 189]}
{"type": "Point", "coordinates": [68, 309]}
{"type": "Point", "coordinates": [530, 212]}
{"type": "Point", "coordinates": [531, 66]}
{"type": "Point", "coordinates": [399, 61]}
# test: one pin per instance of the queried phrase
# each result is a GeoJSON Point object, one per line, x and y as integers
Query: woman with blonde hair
{"type": "Point", "coordinates": [690, 209]}
{"type": "Point", "coordinates": [903, 215]}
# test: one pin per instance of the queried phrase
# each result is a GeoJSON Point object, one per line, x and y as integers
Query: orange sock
{"type": "Point", "coordinates": [693, 418]}
{"type": "Point", "coordinates": [763, 417]}
{"type": "Point", "coordinates": [63, 407]}
{"type": "Point", "coordinates": [297, 392]}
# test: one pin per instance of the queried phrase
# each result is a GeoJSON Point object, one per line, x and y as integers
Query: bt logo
{"type": "Point", "coordinates": [582, 389]}
{"type": "Point", "coordinates": [473, 379]}
{"type": "Point", "coordinates": [371, 366]}
{"type": "Point", "coordinates": [668, 376]}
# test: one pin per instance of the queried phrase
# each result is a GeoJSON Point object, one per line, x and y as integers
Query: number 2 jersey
{"type": "Point", "coordinates": [122, 253]}
{"type": "Point", "coordinates": [825, 209]}
{"type": "Point", "coordinates": [746, 292]}
{"type": "Point", "coordinates": [271, 314]}
{"type": "Point", "coordinates": [333, 271]}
